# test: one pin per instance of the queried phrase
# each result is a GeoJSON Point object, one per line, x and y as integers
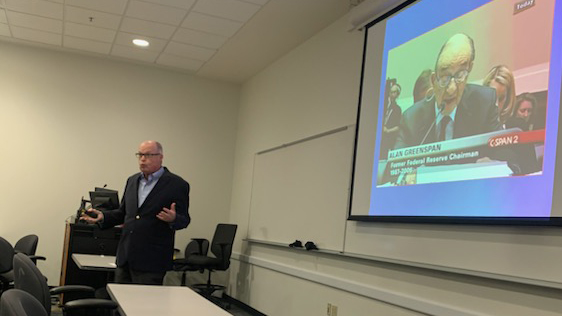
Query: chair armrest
{"type": "Point", "coordinates": [72, 288]}
{"type": "Point", "coordinates": [93, 303]}
{"type": "Point", "coordinates": [200, 243]}
{"type": "Point", "coordinates": [35, 258]}
{"type": "Point", "coordinates": [179, 264]}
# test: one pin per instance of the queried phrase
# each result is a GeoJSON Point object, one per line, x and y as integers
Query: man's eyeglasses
{"type": "Point", "coordinates": [148, 155]}
{"type": "Point", "coordinates": [459, 77]}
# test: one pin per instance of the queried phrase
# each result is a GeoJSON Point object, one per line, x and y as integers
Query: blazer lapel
{"type": "Point", "coordinates": [429, 127]}
{"type": "Point", "coordinates": [464, 116]}
{"type": "Point", "coordinates": [135, 188]}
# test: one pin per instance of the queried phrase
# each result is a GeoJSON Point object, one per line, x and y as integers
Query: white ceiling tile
{"type": "Point", "coordinates": [99, 19]}
{"type": "Point", "coordinates": [34, 22]}
{"type": "Point", "coordinates": [155, 12]}
{"type": "Point", "coordinates": [109, 6]}
{"type": "Point", "coordinates": [126, 39]}
{"type": "Point", "coordinates": [90, 32]}
{"type": "Point", "coordinates": [147, 28]}
{"type": "Point", "coordinates": [36, 35]}
{"type": "Point", "coordinates": [175, 61]}
{"type": "Point", "coordinates": [184, 4]}
{"type": "Point", "coordinates": [260, 2]}
{"type": "Point", "coordinates": [210, 24]}
{"type": "Point", "coordinates": [228, 9]}
{"type": "Point", "coordinates": [134, 53]}
{"type": "Point", "coordinates": [189, 51]}
{"type": "Point", "coordinates": [3, 16]}
{"type": "Point", "coordinates": [86, 45]}
{"type": "Point", "coordinates": [236, 61]}
{"type": "Point", "coordinates": [37, 7]}
{"type": "Point", "coordinates": [4, 30]}
{"type": "Point", "coordinates": [199, 38]}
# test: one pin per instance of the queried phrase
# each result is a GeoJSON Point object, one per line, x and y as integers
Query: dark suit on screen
{"type": "Point", "coordinates": [147, 243]}
{"type": "Point", "coordinates": [477, 113]}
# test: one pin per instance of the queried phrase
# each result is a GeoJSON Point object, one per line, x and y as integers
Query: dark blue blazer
{"type": "Point", "coordinates": [147, 243]}
{"type": "Point", "coordinates": [477, 113]}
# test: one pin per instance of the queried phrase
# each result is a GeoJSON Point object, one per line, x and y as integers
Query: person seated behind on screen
{"type": "Point", "coordinates": [501, 79]}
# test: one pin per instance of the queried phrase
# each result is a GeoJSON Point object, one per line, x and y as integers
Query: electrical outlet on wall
{"type": "Point", "coordinates": [332, 310]}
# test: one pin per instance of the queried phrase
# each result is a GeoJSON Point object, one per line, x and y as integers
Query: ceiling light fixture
{"type": "Point", "coordinates": [140, 42]}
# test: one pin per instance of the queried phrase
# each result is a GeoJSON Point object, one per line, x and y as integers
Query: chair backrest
{"type": "Point", "coordinates": [6, 255]}
{"type": "Point", "coordinates": [28, 278]}
{"type": "Point", "coordinates": [20, 303]}
{"type": "Point", "coordinates": [192, 248]}
{"type": "Point", "coordinates": [224, 234]}
{"type": "Point", "coordinates": [27, 244]}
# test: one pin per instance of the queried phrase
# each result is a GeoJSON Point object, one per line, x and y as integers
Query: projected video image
{"type": "Point", "coordinates": [467, 99]}
{"type": "Point", "coordinates": [459, 113]}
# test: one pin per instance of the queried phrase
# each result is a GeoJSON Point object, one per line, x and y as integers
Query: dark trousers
{"type": "Point", "coordinates": [125, 274]}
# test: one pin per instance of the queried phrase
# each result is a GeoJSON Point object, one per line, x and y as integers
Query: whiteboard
{"type": "Point", "coordinates": [529, 255]}
{"type": "Point", "coordinates": [301, 190]}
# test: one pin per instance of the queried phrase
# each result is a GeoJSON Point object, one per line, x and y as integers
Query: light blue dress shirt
{"type": "Point", "coordinates": [146, 185]}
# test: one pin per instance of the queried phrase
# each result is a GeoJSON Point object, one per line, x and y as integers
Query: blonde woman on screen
{"type": "Point", "coordinates": [501, 79]}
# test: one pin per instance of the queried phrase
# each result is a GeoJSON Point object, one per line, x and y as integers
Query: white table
{"type": "Point", "coordinates": [94, 262]}
{"type": "Point", "coordinates": [150, 300]}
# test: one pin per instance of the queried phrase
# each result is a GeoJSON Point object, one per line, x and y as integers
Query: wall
{"type": "Point", "coordinates": [73, 122]}
{"type": "Point", "coordinates": [314, 89]}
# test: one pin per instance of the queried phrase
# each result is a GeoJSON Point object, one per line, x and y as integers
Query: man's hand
{"type": "Point", "coordinates": [92, 216]}
{"type": "Point", "coordinates": [168, 215]}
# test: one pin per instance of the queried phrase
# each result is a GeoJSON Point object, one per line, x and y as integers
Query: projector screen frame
{"type": "Point", "coordinates": [464, 220]}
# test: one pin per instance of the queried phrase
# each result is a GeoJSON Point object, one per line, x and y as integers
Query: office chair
{"type": "Point", "coordinates": [221, 248]}
{"type": "Point", "coordinates": [6, 264]}
{"type": "Point", "coordinates": [197, 246]}
{"type": "Point", "coordinates": [20, 303]}
{"type": "Point", "coordinates": [28, 246]}
{"type": "Point", "coordinates": [28, 278]}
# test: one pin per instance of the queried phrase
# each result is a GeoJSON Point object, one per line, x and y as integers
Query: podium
{"type": "Point", "coordinates": [86, 239]}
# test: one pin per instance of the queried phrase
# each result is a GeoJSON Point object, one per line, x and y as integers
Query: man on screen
{"type": "Point", "coordinates": [457, 109]}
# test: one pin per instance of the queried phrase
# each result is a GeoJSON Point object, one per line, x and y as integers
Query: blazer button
{"type": "Point", "coordinates": [138, 217]}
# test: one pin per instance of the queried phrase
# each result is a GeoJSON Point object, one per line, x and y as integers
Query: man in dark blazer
{"type": "Point", "coordinates": [476, 113]}
{"type": "Point", "coordinates": [155, 204]}
{"type": "Point", "coordinates": [457, 109]}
